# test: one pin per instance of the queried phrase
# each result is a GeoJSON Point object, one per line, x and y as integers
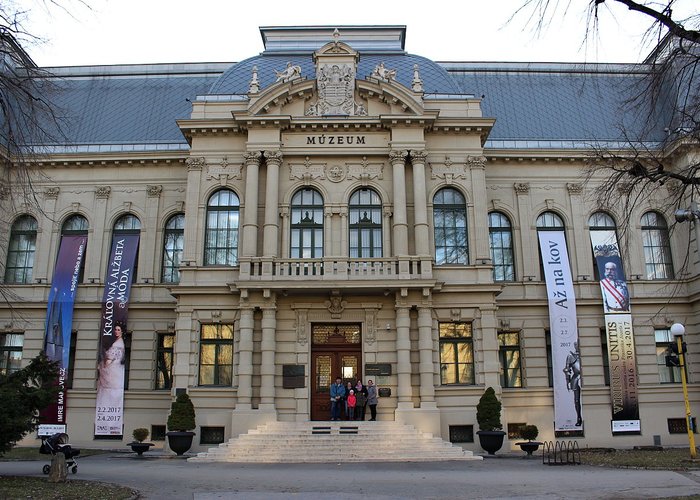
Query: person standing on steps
{"type": "Point", "coordinates": [372, 399]}
{"type": "Point", "coordinates": [352, 402]}
{"type": "Point", "coordinates": [337, 398]}
{"type": "Point", "coordinates": [361, 395]}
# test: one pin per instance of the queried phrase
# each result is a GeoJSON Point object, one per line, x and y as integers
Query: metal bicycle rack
{"type": "Point", "coordinates": [561, 453]}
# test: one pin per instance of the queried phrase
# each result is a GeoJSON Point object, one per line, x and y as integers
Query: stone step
{"type": "Point", "coordinates": [316, 442]}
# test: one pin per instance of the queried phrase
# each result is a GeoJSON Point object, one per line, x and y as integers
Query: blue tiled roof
{"type": "Point", "coordinates": [126, 109]}
{"type": "Point", "coordinates": [237, 78]}
{"type": "Point", "coordinates": [533, 104]}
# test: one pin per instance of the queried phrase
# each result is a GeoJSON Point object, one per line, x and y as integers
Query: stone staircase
{"type": "Point", "coordinates": [321, 442]}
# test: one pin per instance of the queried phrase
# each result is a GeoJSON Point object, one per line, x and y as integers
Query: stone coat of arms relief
{"type": "Point", "coordinates": [336, 92]}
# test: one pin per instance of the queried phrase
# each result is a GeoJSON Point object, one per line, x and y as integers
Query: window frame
{"type": "Point", "coordinates": [164, 351]}
{"type": "Point", "coordinates": [672, 374]}
{"type": "Point", "coordinates": [506, 252]}
{"type": "Point", "coordinates": [217, 365]}
{"type": "Point", "coordinates": [662, 269]}
{"type": "Point", "coordinates": [21, 250]}
{"type": "Point", "coordinates": [230, 232]}
{"type": "Point", "coordinates": [504, 349]}
{"type": "Point", "coordinates": [81, 230]}
{"type": "Point", "coordinates": [455, 342]}
{"type": "Point", "coordinates": [307, 227]}
{"type": "Point", "coordinates": [172, 254]}
{"type": "Point", "coordinates": [600, 221]}
{"type": "Point", "coordinates": [365, 227]}
{"type": "Point", "coordinates": [445, 244]}
{"type": "Point", "coordinates": [6, 365]}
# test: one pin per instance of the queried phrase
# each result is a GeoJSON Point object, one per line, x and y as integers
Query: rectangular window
{"type": "Point", "coordinates": [10, 352]}
{"type": "Point", "coordinates": [514, 430]}
{"type": "Point", "coordinates": [216, 355]}
{"type": "Point", "coordinates": [606, 357]}
{"type": "Point", "coordinates": [680, 426]}
{"type": "Point", "coordinates": [157, 433]}
{"type": "Point", "coordinates": [667, 374]}
{"type": "Point", "coordinates": [550, 369]}
{"type": "Point", "coordinates": [71, 359]}
{"type": "Point", "coordinates": [456, 353]}
{"type": "Point", "coordinates": [164, 360]}
{"type": "Point", "coordinates": [211, 435]}
{"type": "Point", "coordinates": [509, 355]}
{"type": "Point", "coordinates": [461, 433]}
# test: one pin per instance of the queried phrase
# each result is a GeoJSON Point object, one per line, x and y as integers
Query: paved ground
{"type": "Point", "coordinates": [505, 477]}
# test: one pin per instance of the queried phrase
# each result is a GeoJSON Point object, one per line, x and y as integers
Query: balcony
{"type": "Point", "coordinates": [259, 269]}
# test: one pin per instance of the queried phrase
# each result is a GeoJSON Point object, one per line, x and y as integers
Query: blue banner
{"type": "Point", "coordinates": [59, 318]}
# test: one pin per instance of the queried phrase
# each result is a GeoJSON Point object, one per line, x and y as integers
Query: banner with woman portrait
{"type": "Point", "coordinates": [620, 336]}
{"type": "Point", "coordinates": [111, 359]}
{"type": "Point", "coordinates": [566, 359]}
{"type": "Point", "coordinates": [59, 325]}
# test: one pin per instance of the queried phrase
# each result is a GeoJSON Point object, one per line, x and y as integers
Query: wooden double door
{"type": "Point", "coordinates": [336, 355]}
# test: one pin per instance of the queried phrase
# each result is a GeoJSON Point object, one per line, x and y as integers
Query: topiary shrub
{"type": "Point", "coordinates": [529, 432]}
{"type": "Point", "coordinates": [140, 434]}
{"type": "Point", "coordinates": [488, 411]}
{"type": "Point", "coordinates": [181, 416]}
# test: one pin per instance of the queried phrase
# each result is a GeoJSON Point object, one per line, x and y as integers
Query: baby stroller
{"type": "Point", "coordinates": [58, 443]}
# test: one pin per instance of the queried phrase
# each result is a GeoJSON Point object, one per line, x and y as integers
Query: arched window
{"type": "Point", "coordinates": [20, 254]}
{"type": "Point", "coordinates": [657, 247]}
{"type": "Point", "coordinates": [307, 225]}
{"type": "Point", "coordinates": [365, 211]}
{"type": "Point", "coordinates": [600, 221]}
{"type": "Point", "coordinates": [548, 221]}
{"type": "Point", "coordinates": [76, 225]}
{"type": "Point", "coordinates": [501, 243]}
{"type": "Point", "coordinates": [221, 238]}
{"type": "Point", "coordinates": [450, 222]}
{"type": "Point", "coordinates": [173, 245]}
{"type": "Point", "coordinates": [129, 224]}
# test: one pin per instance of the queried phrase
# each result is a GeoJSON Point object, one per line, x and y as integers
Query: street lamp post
{"type": "Point", "coordinates": [677, 330]}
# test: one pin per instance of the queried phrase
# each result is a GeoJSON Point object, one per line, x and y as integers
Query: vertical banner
{"type": "Point", "coordinates": [109, 404]}
{"type": "Point", "coordinates": [566, 359]}
{"type": "Point", "coordinates": [59, 325]}
{"type": "Point", "coordinates": [620, 337]}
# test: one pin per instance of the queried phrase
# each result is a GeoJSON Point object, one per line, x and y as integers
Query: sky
{"type": "Point", "coordinates": [178, 31]}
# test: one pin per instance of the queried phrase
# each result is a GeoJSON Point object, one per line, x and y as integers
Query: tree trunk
{"type": "Point", "coordinates": [58, 469]}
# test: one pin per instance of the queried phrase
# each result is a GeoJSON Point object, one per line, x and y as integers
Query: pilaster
{"type": "Point", "coordinates": [273, 160]}
{"type": "Point", "coordinates": [250, 215]}
{"type": "Point", "coordinates": [403, 356]}
{"type": "Point", "coordinates": [193, 212]}
{"type": "Point", "coordinates": [421, 231]}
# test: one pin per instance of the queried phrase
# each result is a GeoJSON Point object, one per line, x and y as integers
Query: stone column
{"type": "Point", "coordinates": [480, 239]}
{"type": "Point", "coordinates": [267, 362]}
{"type": "Point", "coordinates": [102, 236]}
{"type": "Point", "coordinates": [425, 347]}
{"type": "Point", "coordinates": [400, 228]}
{"type": "Point", "coordinates": [273, 159]}
{"type": "Point", "coordinates": [578, 236]}
{"type": "Point", "coordinates": [403, 356]}
{"type": "Point", "coordinates": [284, 214]}
{"type": "Point", "coordinates": [526, 233]}
{"type": "Point", "coordinates": [192, 213]}
{"type": "Point", "coordinates": [327, 231]}
{"type": "Point", "coordinates": [386, 237]}
{"type": "Point", "coordinates": [420, 207]}
{"type": "Point", "coordinates": [344, 248]}
{"type": "Point", "coordinates": [45, 237]}
{"type": "Point", "coordinates": [150, 230]}
{"type": "Point", "coordinates": [250, 216]}
{"type": "Point", "coordinates": [245, 360]}
{"type": "Point", "coordinates": [183, 359]}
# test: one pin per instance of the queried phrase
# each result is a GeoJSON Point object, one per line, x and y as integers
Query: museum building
{"type": "Point", "coordinates": [337, 207]}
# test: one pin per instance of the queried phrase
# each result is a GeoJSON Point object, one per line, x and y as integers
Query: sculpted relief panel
{"type": "Point", "coordinates": [336, 91]}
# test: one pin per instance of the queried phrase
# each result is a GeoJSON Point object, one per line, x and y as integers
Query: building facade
{"type": "Point", "coordinates": [333, 207]}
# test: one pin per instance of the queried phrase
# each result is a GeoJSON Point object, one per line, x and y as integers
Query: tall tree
{"type": "Point", "coordinates": [667, 99]}
{"type": "Point", "coordinates": [23, 394]}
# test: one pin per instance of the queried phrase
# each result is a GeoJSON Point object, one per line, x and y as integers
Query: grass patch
{"type": "Point", "coordinates": [14, 487]}
{"type": "Point", "coordinates": [667, 458]}
{"type": "Point", "coordinates": [25, 453]}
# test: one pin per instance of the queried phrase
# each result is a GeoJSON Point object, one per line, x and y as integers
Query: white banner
{"type": "Point", "coordinates": [566, 359]}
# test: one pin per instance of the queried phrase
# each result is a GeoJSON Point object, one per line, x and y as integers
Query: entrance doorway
{"type": "Point", "coordinates": [336, 351]}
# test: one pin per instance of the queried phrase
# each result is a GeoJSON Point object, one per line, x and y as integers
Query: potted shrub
{"type": "Point", "coordinates": [138, 444]}
{"type": "Point", "coordinates": [488, 416]}
{"type": "Point", "coordinates": [529, 432]}
{"type": "Point", "coordinates": [180, 424]}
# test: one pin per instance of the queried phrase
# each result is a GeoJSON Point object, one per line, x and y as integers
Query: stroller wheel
{"type": "Point", "coordinates": [46, 469]}
{"type": "Point", "coordinates": [74, 469]}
